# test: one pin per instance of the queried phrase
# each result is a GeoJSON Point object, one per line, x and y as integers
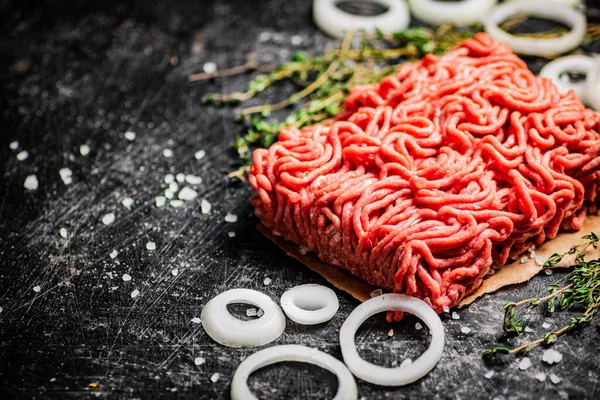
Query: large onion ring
{"type": "Point", "coordinates": [335, 22]}
{"type": "Point", "coordinates": [292, 352]}
{"type": "Point", "coordinates": [592, 88]}
{"type": "Point", "coordinates": [577, 63]}
{"type": "Point", "coordinates": [541, 9]}
{"type": "Point", "coordinates": [391, 376]}
{"type": "Point", "coordinates": [461, 12]}
{"type": "Point", "coordinates": [229, 331]}
{"type": "Point", "coordinates": [310, 304]}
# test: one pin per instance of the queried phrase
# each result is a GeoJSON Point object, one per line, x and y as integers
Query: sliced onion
{"type": "Point", "coordinates": [541, 9]}
{"type": "Point", "coordinates": [578, 64]}
{"type": "Point", "coordinates": [321, 304]}
{"type": "Point", "coordinates": [391, 376]}
{"type": "Point", "coordinates": [292, 352]}
{"type": "Point", "coordinates": [335, 22]}
{"type": "Point", "coordinates": [460, 12]}
{"type": "Point", "coordinates": [229, 331]}
{"type": "Point", "coordinates": [592, 88]}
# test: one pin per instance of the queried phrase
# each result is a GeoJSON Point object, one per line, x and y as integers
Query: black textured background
{"type": "Point", "coordinates": [79, 72]}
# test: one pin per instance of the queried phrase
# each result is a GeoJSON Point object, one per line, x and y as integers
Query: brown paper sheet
{"type": "Point", "coordinates": [511, 274]}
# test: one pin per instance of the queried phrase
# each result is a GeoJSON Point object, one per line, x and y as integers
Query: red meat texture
{"type": "Point", "coordinates": [437, 175]}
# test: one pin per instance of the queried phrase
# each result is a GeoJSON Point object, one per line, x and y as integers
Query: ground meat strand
{"type": "Point", "coordinates": [433, 174]}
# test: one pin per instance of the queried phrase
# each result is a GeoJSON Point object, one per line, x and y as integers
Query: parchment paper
{"type": "Point", "coordinates": [511, 274]}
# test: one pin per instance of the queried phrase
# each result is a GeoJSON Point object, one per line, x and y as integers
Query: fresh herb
{"type": "Point", "coordinates": [582, 292]}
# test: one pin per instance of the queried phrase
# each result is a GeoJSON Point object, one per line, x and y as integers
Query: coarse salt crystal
{"type": "Point", "coordinates": [176, 203]}
{"type": "Point", "coordinates": [14, 145]}
{"type": "Point", "coordinates": [523, 260]}
{"type": "Point", "coordinates": [296, 40]}
{"type": "Point", "coordinates": [539, 260]}
{"type": "Point", "coordinates": [418, 326]}
{"type": "Point", "coordinates": [169, 178]}
{"type": "Point", "coordinates": [130, 135]}
{"type": "Point", "coordinates": [555, 379]}
{"type": "Point", "coordinates": [548, 271]}
{"type": "Point", "coordinates": [405, 363]}
{"type": "Point", "coordinates": [465, 330]}
{"type": "Point", "coordinates": [231, 218]}
{"type": "Point", "coordinates": [251, 312]}
{"type": "Point", "coordinates": [525, 363]}
{"type": "Point", "coordinates": [455, 315]}
{"type": "Point", "coordinates": [135, 293]}
{"type": "Point", "coordinates": [126, 277]}
{"type": "Point", "coordinates": [151, 246]}
{"type": "Point", "coordinates": [84, 150]}
{"type": "Point", "coordinates": [108, 219]}
{"type": "Point", "coordinates": [546, 325]}
{"type": "Point", "coordinates": [552, 356]}
{"type": "Point", "coordinates": [180, 177]}
{"type": "Point", "coordinates": [174, 272]}
{"type": "Point", "coordinates": [391, 333]}
{"type": "Point", "coordinates": [376, 292]}
{"type": "Point", "coordinates": [267, 281]}
{"type": "Point", "coordinates": [22, 155]}
{"type": "Point", "coordinates": [199, 360]}
{"type": "Point", "coordinates": [196, 320]}
{"type": "Point", "coordinates": [532, 255]}
{"type": "Point", "coordinates": [167, 153]}
{"type": "Point", "coordinates": [193, 179]}
{"type": "Point", "coordinates": [66, 175]}
{"type": "Point", "coordinates": [209, 67]}
{"type": "Point", "coordinates": [127, 202]}
{"type": "Point", "coordinates": [200, 154]}
{"type": "Point", "coordinates": [160, 201]}
{"type": "Point", "coordinates": [169, 194]}
{"type": "Point", "coordinates": [37, 288]}
{"type": "Point", "coordinates": [260, 313]}
{"type": "Point", "coordinates": [231, 234]}
{"type": "Point", "coordinates": [173, 187]}
{"type": "Point", "coordinates": [31, 182]}
{"type": "Point", "coordinates": [215, 377]}
{"type": "Point", "coordinates": [205, 206]}
{"type": "Point", "coordinates": [446, 309]}
{"type": "Point", "coordinates": [528, 329]}
{"type": "Point", "coordinates": [63, 232]}
{"type": "Point", "coordinates": [187, 194]}
{"type": "Point", "coordinates": [540, 376]}
{"type": "Point", "coordinates": [113, 254]}
{"type": "Point", "coordinates": [489, 375]}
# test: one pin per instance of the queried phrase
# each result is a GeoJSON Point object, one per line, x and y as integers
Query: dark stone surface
{"type": "Point", "coordinates": [75, 73]}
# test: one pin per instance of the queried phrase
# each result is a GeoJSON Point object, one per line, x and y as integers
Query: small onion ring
{"type": "Point", "coordinates": [313, 296]}
{"type": "Point", "coordinates": [537, 47]}
{"type": "Point", "coordinates": [577, 63]}
{"type": "Point", "coordinates": [461, 12]}
{"type": "Point", "coordinates": [392, 376]}
{"type": "Point", "coordinates": [592, 88]}
{"type": "Point", "coordinates": [335, 22]}
{"type": "Point", "coordinates": [292, 352]}
{"type": "Point", "coordinates": [229, 331]}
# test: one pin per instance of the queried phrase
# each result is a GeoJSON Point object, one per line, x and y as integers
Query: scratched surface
{"type": "Point", "coordinates": [74, 74]}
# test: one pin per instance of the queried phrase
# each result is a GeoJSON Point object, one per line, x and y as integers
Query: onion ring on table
{"type": "Point", "coordinates": [292, 352]}
{"type": "Point", "coordinates": [537, 47]}
{"type": "Point", "coordinates": [461, 12]}
{"type": "Point", "coordinates": [335, 22]}
{"type": "Point", "coordinates": [391, 376]}
{"type": "Point", "coordinates": [229, 331]}
{"type": "Point", "coordinates": [578, 63]}
{"type": "Point", "coordinates": [592, 88]}
{"type": "Point", "coordinates": [310, 304]}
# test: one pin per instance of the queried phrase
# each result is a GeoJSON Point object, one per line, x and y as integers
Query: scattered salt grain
{"type": "Point", "coordinates": [199, 360]}
{"type": "Point", "coordinates": [532, 255]}
{"type": "Point", "coordinates": [555, 379]}
{"type": "Point", "coordinates": [418, 326]}
{"type": "Point", "coordinates": [296, 40]}
{"type": "Point", "coordinates": [169, 178]}
{"type": "Point", "coordinates": [465, 330]}
{"type": "Point", "coordinates": [31, 182]}
{"type": "Point", "coordinates": [205, 206]}
{"type": "Point", "coordinates": [135, 293]}
{"type": "Point", "coordinates": [251, 312]}
{"type": "Point", "coordinates": [66, 175]}
{"type": "Point", "coordinates": [84, 150]}
{"type": "Point", "coordinates": [130, 135]}
{"type": "Point", "coordinates": [523, 260]}
{"type": "Point", "coordinates": [376, 292]}
{"type": "Point", "coordinates": [169, 194]}
{"type": "Point", "coordinates": [267, 281]}
{"type": "Point", "coordinates": [22, 155]}
{"type": "Point", "coordinates": [176, 203]}
{"type": "Point", "coordinates": [260, 313]}
{"type": "Point", "coordinates": [37, 288]}
{"type": "Point", "coordinates": [174, 272]}
{"type": "Point", "coordinates": [200, 154]}
{"type": "Point", "coordinates": [14, 145]}
{"type": "Point", "coordinates": [539, 260]}
{"type": "Point", "coordinates": [548, 271]}
{"type": "Point", "coordinates": [525, 363]}
{"type": "Point", "coordinates": [455, 315]}
{"type": "Point", "coordinates": [151, 246]}
{"type": "Point", "coordinates": [114, 254]}
{"type": "Point", "coordinates": [63, 232]}
{"type": "Point", "coordinates": [209, 67]}
{"type": "Point", "coordinates": [230, 218]}
{"type": "Point", "coordinates": [1, 309]}
{"type": "Point", "coordinates": [127, 202]}
{"type": "Point", "coordinates": [446, 309]}
{"type": "Point", "coordinates": [552, 356]}
{"type": "Point", "coordinates": [546, 325]}
{"type": "Point", "coordinates": [193, 179]}
{"type": "Point", "coordinates": [187, 194]}
{"type": "Point", "coordinates": [180, 177]}
{"type": "Point", "coordinates": [215, 377]}
{"type": "Point", "coordinates": [126, 277]}
{"type": "Point", "coordinates": [167, 153]}
{"type": "Point", "coordinates": [528, 329]}
{"type": "Point", "coordinates": [196, 320]}
{"type": "Point", "coordinates": [108, 219]}
{"type": "Point", "coordinates": [540, 376]}
{"type": "Point", "coordinates": [405, 363]}
{"type": "Point", "coordinates": [489, 375]}
{"type": "Point", "coordinates": [391, 333]}
{"type": "Point", "coordinates": [173, 187]}
{"type": "Point", "coordinates": [160, 201]}
{"type": "Point", "coordinates": [231, 234]}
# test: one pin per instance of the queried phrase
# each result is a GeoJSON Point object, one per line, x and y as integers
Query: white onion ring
{"type": "Point", "coordinates": [579, 64]}
{"type": "Point", "coordinates": [392, 376]}
{"type": "Point", "coordinates": [335, 22]}
{"type": "Point", "coordinates": [571, 3]}
{"type": "Point", "coordinates": [537, 47]}
{"type": "Point", "coordinates": [292, 352]}
{"type": "Point", "coordinates": [461, 12]}
{"type": "Point", "coordinates": [229, 331]}
{"type": "Point", "coordinates": [592, 88]}
{"type": "Point", "coordinates": [322, 304]}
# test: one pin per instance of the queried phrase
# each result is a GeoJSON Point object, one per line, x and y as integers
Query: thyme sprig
{"type": "Point", "coordinates": [582, 292]}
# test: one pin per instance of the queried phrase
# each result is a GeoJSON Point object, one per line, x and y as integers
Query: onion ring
{"type": "Point", "coordinates": [461, 12]}
{"type": "Point", "coordinates": [335, 22]}
{"type": "Point", "coordinates": [310, 304]}
{"type": "Point", "coordinates": [292, 352]}
{"type": "Point", "coordinates": [579, 64]}
{"type": "Point", "coordinates": [592, 88]}
{"type": "Point", "coordinates": [537, 47]}
{"type": "Point", "coordinates": [392, 376]}
{"type": "Point", "coordinates": [571, 3]}
{"type": "Point", "coordinates": [229, 331]}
